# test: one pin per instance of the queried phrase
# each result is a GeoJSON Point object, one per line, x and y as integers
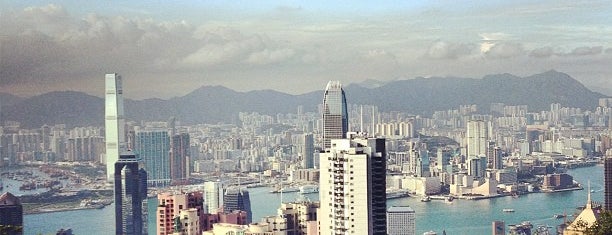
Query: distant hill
{"type": "Point", "coordinates": [8, 99]}
{"type": "Point", "coordinates": [213, 104]}
{"type": "Point", "coordinates": [425, 95]}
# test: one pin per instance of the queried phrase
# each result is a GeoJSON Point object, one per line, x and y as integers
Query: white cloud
{"type": "Point", "coordinates": [447, 50]}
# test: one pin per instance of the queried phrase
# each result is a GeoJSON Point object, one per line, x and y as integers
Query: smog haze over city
{"type": "Point", "coordinates": [167, 49]}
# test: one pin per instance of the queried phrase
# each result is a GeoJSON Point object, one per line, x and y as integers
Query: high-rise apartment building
{"type": "Point", "coordinates": [213, 197]}
{"type": "Point", "coordinates": [335, 113]}
{"type": "Point", "coordinates": [188, 222]}
{"type": "Point", "coordinates": [353, 187]}
{"type": "Point", "coordinates": [401, 221]}
{"type": "Point", "coordinates": [308, 151]}
{"type": "Point", "coordinates": [237, 198]}
{"type": "Point", "coordinates": [154, 148]}
{"type": "Point", "coordinates": [130, 195]}
{"type": "Point", "coordinates": [114, 122]}
{"type": "Point", "coordinates": [300, 217]}
{"type": "Point", "coordinates": [11, 214]}
{"type": "Point", "coordinates": [170, 207]}
{"type": "Point", "coordinates": [179, 158]}
{"type": "Point", "coordinates": [608, 180]}
{"type": "Point", "coordinates": [477, 136]}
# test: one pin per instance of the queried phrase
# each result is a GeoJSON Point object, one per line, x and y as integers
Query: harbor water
{"type": "Point", "coordinates": [458, 217]}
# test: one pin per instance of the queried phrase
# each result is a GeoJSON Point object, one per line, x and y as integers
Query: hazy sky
{"type": "Point", "coordinates": [169, 48]}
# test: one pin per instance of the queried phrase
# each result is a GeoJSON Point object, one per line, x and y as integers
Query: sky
{"type": "Point", "coordinates": [165, 49]}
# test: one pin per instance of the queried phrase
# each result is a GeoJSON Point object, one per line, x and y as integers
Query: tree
{"type": "Point", "coordinates": [603, 225]}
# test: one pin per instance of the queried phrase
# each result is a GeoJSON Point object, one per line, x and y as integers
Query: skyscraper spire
{"type": "Point", "coordinates": [589, 202]}
{"type": "Point", "coordinates": [335, 113]}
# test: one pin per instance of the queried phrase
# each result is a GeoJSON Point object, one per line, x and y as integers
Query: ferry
{"type": "Point", "coordinates": [309, 189]}
{"type": "Point", "coordinates": [508, 210]}
{"type": "Point", "coordinates": [285, 190]}
{"type": "Point", "coordinates": [397, 193]}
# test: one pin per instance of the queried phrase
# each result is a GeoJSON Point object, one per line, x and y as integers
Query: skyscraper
{"type": "Point", "coordinates": [237, 199]}
{"type": "Point", "coordinates": [353, 187]}
{"type": "Point", "coordinates": [130, 195]}
{"type": "Point", "coordinates": [11, 214]}
{"type": "Point", "coordinates": [114, 122]}
{"type": "Point", "coordinates": [401, 221]}
{"type": "Point", "coordinates": [154, 149]}
{"type": "Point", "coordinates": [477, 136]}
{"type": "Point", "coordinates": [179, 158]}
{"type": "Point", "coordinates": [608, 180]}
{"type": "Point", "coordinates": [213, 196]}
{"type": "Point", "coordinates": [308, 151]}
{"type": "Point", "coordinates": [335, 113]}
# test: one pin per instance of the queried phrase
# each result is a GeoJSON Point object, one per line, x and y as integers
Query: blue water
{"type": "Point", "coordinates": [459, 217]}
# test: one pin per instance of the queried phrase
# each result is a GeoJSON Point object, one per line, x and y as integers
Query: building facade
{"type": "Point", "coordinates": [213, 196]}
{"type": "Point", "coordinates": [179, 158]}
{"type": "Point", "coordinates": [11, 214]}
{"type": "Point", "coordinates": [153, 146]}
{"type": "Point", "coordinates": [169, 209]}
{"type": "Point", "coordinates": [353, 187]}
{"type": "Point", "coordinates": [130, 181]}
{"type": "Point", "coordinates": [114, 122]}
{"type": "Point", "coordinates": [477, 136]}
{"type": "Point", "coordinates": [335, 114]}
{"type": "Point", "coordinates": [238, 199]}
{"type": "Point", "coordinates": [308, 151]}
{"type": "Point", "coordinates": [608, 180]}
{"type": "Point", "coordinates": [401, 221]}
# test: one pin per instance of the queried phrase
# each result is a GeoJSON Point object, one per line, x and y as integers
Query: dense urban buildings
{"type": "Point", "coordinates": [130, 195]}
{"type": "Point", "coordinates": [353, 186]}
{"type": "Point", "coordinates": [401, 221]}
{"type": "Point", "coordinates": [114, 122]}
{"type": "Point", "coordinates": [335, 114]}
{"type": "Point", "coordinates": [11, 215]}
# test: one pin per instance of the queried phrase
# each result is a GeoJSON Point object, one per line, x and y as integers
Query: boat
{"type": "Point", "coordinates": [558, 216]}
{"type": "Point", "coordinates": [425, 199]}
{"type": "Point", "coordinates": [309, 189]}
{"type": "Point", "coordinates": [397, 193]}
{"type": "Point", "coordinates": [508, 210]}
{"type": "Point", "coordinates": [285, 190]}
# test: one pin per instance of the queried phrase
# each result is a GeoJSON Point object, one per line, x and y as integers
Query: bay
{"type": "Point", "coordinates": [459, 217]}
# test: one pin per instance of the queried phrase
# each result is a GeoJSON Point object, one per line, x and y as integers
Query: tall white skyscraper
{"type": "Point", "coordinates": [477, 136]}
{"type": "Point", "coordinates": [114, 122]}
{"type": "Point", "coordinates": [401, 221]}
{"type": "Point", "coordinates": [353, 187]}
{"type": "Point", "coordinates": [213, 196]}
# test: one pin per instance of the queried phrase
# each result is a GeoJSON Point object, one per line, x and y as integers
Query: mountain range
{"type": "Point", "coordinates": [213, 104]}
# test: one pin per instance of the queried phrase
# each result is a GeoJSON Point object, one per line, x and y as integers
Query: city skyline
{"type": "Point", "coordinates": [294, 46]}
